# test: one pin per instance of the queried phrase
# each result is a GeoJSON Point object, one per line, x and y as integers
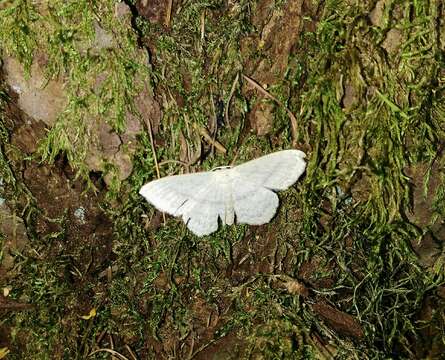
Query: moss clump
{"type": "Point", "coordinates": [101, 80]}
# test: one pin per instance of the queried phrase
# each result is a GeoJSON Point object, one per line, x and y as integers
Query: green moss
{"type": "Point", "coordinates": [6, 173]}
{"type": "Point", "coordinates": [66, 36]}
{"type": "Point", "coordinates": [19, 35]}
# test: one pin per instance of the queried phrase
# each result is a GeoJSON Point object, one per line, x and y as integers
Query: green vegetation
{"type": "Point", "coordinates": [369, 100]}
{"type": "Point", "coordinates": [102, 80]}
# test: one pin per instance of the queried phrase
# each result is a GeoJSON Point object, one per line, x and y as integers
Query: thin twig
{"type": "Point", "coordinates": [226, 109]}
{"type": "Point", "coordinates": [110, 336]}
{"type": "Point", "coordinates": [215, 123]}
{"type": "Point", "coordinates": [155, 158]}
{"type": "Point", "coordinates": [235, 157]}
{"type": "Point", "coordinates": [168, 14]}
{"type": "Point", "coordinates": [100, 337]}
{"type": "Point", "coordinates": [196, 155]}
{"type": "Point", "coordinates": [165, 162]}
{"type": "Point", "coordinates": [205, 134]}
{"type": "Point", "coordinates": [133, 355]}
{"type": "Point", "coordinates": [152, 143]}
{"type": "Point", "coordinates": [112, 352]}
{"type": "Point", "coordinates": [192, 346]}
{"type": "Point", "coordinates": [203, 347]}
{"type": "Point", "coordinates": [293, 119]}
{"type": "Point", "coordinates": [187, 125]}
{"type": "Point", "coordinates": [203, 21]}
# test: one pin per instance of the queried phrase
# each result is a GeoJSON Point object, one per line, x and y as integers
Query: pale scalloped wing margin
{"type": "Point", "coordinates": [171, 193]}
{"type": "Point", "coordinates": [253, 205]}
{"type": "Point", "coordinates": [200, 198]}
{"type": "Point", "coordinates": [276, 171]}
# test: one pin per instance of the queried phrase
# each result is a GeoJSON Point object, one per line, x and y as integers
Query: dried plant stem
{"type": "Point", "coordinates": [232, 91]}
{"type": "Point", "coordinates": [155, 158]}
{"type": "Point", "coordinates": [205, 134]}
{"type": "Point", "coordinates": [293, 119]}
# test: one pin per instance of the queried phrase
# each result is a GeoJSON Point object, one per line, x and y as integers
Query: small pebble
{"type": "Point", "coordinates": [79, 213]}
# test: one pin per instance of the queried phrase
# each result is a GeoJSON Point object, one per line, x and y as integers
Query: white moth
{"type": "Point", "coordinates": [245, 192]}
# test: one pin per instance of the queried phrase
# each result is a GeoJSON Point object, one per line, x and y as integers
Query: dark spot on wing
{"type": "Point", "coordinates": [180, 206]}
